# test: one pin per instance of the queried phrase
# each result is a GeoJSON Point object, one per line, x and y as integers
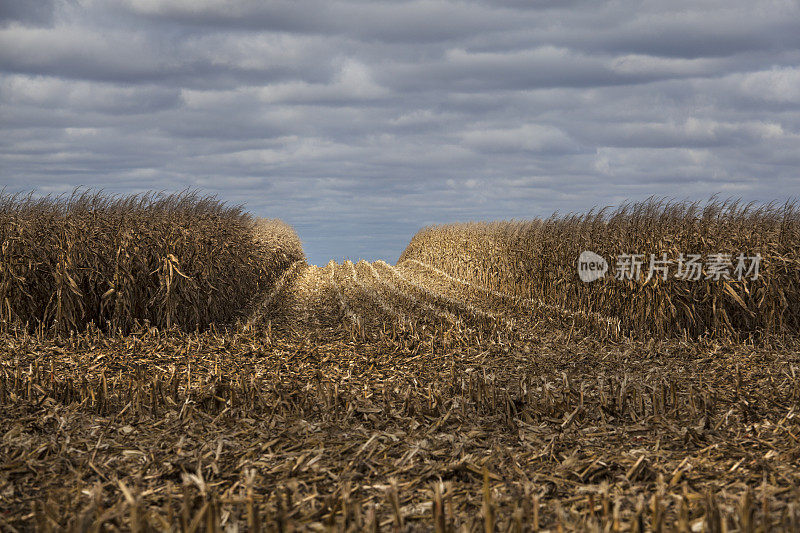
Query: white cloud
{"type": "Point", "coordinates": [647, 65]}
{"type": "Point", "coordinates": [49, 92]}
{"type": "Point", "coordinates": [775, 85]}
{"type": "Point", "coordinates": [528, 137]}
{"type": "Point", "coordinates": [353, 83]}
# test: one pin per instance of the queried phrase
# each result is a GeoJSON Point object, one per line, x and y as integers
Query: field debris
{"type": "Point", "coordinates": [408, 397]}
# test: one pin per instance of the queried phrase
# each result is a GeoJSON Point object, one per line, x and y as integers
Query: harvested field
{"type": "Point", "coordinates": [347, 405]}
{"type": "Point", "coordinates": [376, 397]}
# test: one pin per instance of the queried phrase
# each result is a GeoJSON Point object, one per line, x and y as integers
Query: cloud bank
{"type": "Point", "coordinates": [360, 121]}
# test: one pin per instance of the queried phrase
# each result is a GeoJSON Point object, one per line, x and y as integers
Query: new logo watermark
{"type": "Point", "coordinates": [591, 266]}
{"type": "Point", "coordinates": [692, 267]}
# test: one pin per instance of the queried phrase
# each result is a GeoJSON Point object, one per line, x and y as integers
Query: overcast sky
{"type": "Point", "coordinates": [359, 122]}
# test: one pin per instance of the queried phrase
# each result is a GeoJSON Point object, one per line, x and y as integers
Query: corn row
{"type": "Point", "coordinates": [460, 307]}
{"type": "Point", "coordinates": [537, 260]}
{"type": "Point", "coordinates": [263, 306]}
{"type": "Point", "coordinates": [414, 304]}
{"type": "Point", "coordinates": [608, 324]}
{"type": "Point", "coordinates": [353, 319]}
{"type": "Point", "coordinates": [388, 309]}
{"type": "Point", "coordinates": [115, 262]}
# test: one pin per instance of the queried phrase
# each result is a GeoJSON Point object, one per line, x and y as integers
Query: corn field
{"type": "Point", "coordinates": [537, 260]}
{"type": "Point", "coordinates": [113, 261]}
{"type": "Point", "coordinates": [439, 394]}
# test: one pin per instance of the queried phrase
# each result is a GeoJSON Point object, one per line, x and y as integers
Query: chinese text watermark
{"type": "Point", "coordinates": [689, 267]}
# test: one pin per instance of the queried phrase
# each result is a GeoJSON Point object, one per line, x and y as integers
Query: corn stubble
{"type": "Point", "coordinates": [439, 394]}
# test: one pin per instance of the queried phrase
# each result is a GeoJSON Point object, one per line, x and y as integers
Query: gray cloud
{"type": "Point", "coordinates": [360, 121]}
{"type": "Point", "coordinates": [30, 12]}
{"type": "Point", "coordinates": [411, 21]}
